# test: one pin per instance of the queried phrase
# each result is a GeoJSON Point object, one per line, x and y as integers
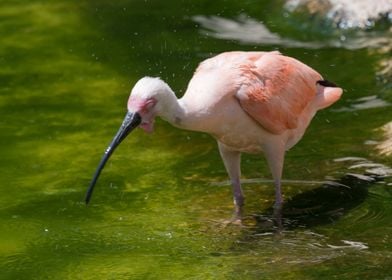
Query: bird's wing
{"type": "Point", "coordinates": [275, 89]}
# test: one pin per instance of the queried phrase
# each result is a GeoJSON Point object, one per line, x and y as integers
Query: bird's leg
{"type": "Point", "coordinates": [239, 199]}
{"type": "Point", "coordinates": [274, 153]}
{"type": "Point", "coordinates": [232, 162]}
{"type": "Point", "coordinates": [278, 194]}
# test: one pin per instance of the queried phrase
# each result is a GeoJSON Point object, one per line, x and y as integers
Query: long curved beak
{"type": "Point", "coordinates": [130, 122]}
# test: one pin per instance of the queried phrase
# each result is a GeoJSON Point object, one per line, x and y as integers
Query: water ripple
{"type": "Point", "coordinates": [247, 30]}
{"type": "Point", "coordinates": [363, 103]}
{"type": "Point", "coordinates": [346, 14]}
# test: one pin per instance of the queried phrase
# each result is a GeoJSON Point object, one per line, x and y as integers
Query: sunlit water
{"type": "Point", "coordinates": [161, 203]}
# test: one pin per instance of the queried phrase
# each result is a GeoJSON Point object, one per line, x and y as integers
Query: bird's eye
{"type": "Point", "coordinates": [150, 103]}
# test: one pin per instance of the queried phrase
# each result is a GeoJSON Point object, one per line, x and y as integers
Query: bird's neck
{"type": "Point", "coordinates": [179, 112]}
{"type": "Point", "coordinates": [171, 109]}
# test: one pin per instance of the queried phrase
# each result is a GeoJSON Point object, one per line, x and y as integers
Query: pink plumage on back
{"type": "Point", "coordinates": [276, 90]}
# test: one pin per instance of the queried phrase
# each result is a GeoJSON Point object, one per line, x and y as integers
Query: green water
{"type": "Point", "coordinates": [158, 210]}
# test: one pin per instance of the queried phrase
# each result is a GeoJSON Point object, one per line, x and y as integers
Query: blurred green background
{"type": "Point", "coordinates": [66, 71]}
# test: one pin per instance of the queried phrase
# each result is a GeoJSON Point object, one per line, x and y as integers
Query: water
{"type": "Point", "coordinates": [159, 206]}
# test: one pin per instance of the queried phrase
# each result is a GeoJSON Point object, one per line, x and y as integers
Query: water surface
{"type": "Point", "coordinates": [159, 206]}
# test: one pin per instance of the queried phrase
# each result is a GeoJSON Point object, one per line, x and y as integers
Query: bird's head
{"type": "Point", "coordinates": [149, 98]}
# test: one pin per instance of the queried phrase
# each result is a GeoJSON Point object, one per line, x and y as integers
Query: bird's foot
{"type": "Point", "coordinates": [236, 219]}
{"type": "Point", "coordinates": [234, 222]}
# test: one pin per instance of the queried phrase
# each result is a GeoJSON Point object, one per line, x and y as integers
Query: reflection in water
{"type": "Point", "coordinates": [305, 236]}
{"type": "Point", "coordinates": [262, 180]}
{"type": "Point", "coordinates": [156, 225]}
{"type": "Point", "coordinates": [321, 205]}
{"type": "Point", "coordinates": [247, 30]}
{"type": "Point", "coordinates": [385, 146]}
{"type": "Point", "coordinates": [367, 102]}
{"type": "Point", "coordinates": [346, 13]}
{"type": "Point", "coordinates": [318, 206]}
{"type": "Point", "coordinates": [350, 244]}
{"type": "Point", "coordinates": [327, 203]}
{"type": "Point", "coordinates": [369, 169]}
{"type": "Point", "coordinates": [294, 238]}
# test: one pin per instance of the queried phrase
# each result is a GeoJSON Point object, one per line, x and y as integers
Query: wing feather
{"type": "Point", "coordinates": [275, 90]}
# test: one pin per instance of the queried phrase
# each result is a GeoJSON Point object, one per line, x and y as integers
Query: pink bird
{"type": "Point", "coordinates": [250, 102]}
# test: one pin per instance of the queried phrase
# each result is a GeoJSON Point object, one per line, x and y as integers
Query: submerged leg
{"type": "Point", "coordinates": [232, 162]}
{"type": "Point", "coordinates": [274, 153]}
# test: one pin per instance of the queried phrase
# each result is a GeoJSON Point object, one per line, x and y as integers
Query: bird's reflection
{"type": "Point", "coordinates": [322, 205]}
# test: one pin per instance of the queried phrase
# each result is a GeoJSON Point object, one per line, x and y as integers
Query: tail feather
{"type": "Point", "coordinates": [326, 83]}
{"type": "Point", "coordinates": [327, 94]}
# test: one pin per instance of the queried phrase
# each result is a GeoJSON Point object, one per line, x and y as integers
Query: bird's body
{"type": "Point", "coordinates": [249, 102]}
{"type": "Point", "coordinates": [219, 101]}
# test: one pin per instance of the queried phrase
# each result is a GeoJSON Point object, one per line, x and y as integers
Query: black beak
{"type": "Point", "coordinates": [130, 122]}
